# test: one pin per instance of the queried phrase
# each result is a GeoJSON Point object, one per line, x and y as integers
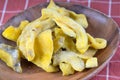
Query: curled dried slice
{"type": "Point", "coordinates": [23, 24]}
{"type": "Point", "coordinates": [12, 33]}
{"type": "Point", "coordinates": [81, 37]}
{"type": "Point", "coordinates": [97, 43]}
{"type": "Point", "coordinates": [67, 30]}
{"type": "Point", "coordinates": [61, 10]}
{"type": "Point", "coordinates": [11, 57]}
{"type": "Point", "coordinates": [27, 38]}
{"type": "Point", "coordinates": [44, 51]}
{"type": "Point", "coordinates": [52, 5]}
{"type": "Point", "coordinates": [66, 68]}
{"type": "Point", "coordinates": [63, 41]}
{"type": "Point", "coordinates": [69, 57]}
{"type": "Point", "coordinates": [79, 18]}
{"type": "Point", "coordinates": [88, 54]}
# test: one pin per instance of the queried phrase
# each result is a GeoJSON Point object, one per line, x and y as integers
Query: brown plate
{"type": "Point", "coordinates": [99, 26]}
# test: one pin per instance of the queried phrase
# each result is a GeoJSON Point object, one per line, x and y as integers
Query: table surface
{"type": "Point", "coordinates": [9, 8]}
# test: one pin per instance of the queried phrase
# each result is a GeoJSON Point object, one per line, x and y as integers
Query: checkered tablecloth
{"type": "Point", "coordinates": [9, 8]}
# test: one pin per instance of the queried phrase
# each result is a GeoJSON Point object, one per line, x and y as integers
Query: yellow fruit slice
{"type": "Point", "coordinates": [88, 54]}
{"type": "Point", "coordinates": [66, 69]}
{"type": "Point", "coordinates": [44, 51]}
{"type": "Point", "coordinates": [97, 43]}
{"type": "Point", "coordinates": [91, 62]}
{"type": "Point", "coordinates": [61, 40]}
{"type": "Point", "coordinates": [11, 57]}
{"type": "Point", "coordinates": [69, 57]}
{"type": "Point", "coordinates": [27, 38]}
{"type": "Point", "coordinates": [12, 33]}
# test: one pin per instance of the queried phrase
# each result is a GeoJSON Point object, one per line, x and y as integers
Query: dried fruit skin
{"type": "Point", "coordinates": [27, 38]}
{"type": "Point", "coordinates": [11, 57]}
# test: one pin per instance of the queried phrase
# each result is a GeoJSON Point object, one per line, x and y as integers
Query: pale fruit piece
{"type": "Point", "coordinates": [11, 57]}
{"type": "Point", "coordinates": [66, 69]}
{"type": "Point", "coordinates": [69, 57]}
{"type": "Point", "coordinates": [91, 62]}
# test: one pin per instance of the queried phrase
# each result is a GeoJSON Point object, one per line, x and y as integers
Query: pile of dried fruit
{"type": "Point", "coordinates": [55, 41]}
